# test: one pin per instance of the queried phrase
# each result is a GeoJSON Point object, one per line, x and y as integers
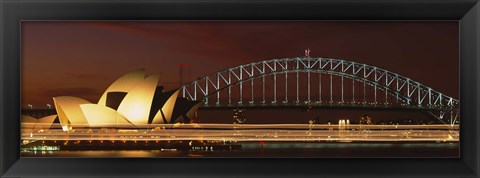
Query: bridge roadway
{"type": "Point", "coordinates": [257, 132]}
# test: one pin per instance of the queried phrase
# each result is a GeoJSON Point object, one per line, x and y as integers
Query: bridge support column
{"type": "Point", "coordinates": [320, 86]}
{"type": "Point", "coordinates": [353, 83]}
{"type": "Point", "coordinates": [241, 86]}
{"type": "Point", "coordinates": [286, 86]}
{"type": "Point", "coordinates": [229, 95]}
{"type": "Point", "coordinates": [195, 90]}
{"type": "Point", "coordinates": [419, 95]}
{"type": "Point", "coordinates": [263, 88]}
{"type": "Point", "coordinates": [274, 88]}
{"type": "Point", "coordinates": [364, 92]}
{"type": "Point", "coordinates": [387, 87]}
{"type": "Point", "coordinates": [229, 88]}
{"type": "Point", "coordinates": [298, 98]}
{"type": "Point", "coordinates": [251, 85]}
{"type": "Point", "coordinates": [396, 77]}
{"type": "Point", "coordinates": [331, 89]}
{"type": "Point", "coordinates": [218, 86]}
{"type": "Point", "coordinates": [375, 86]}
{"type": "Point", "coordinates": [429, 97]}
{"type": "Point", "coordinates": [342, 88]}
{"type": "Point", "coordinates": [308, 73]}
{"type": "Point", "coordinates": [308, 80]}
{"type": "Point", "coordinates": [206, 91]}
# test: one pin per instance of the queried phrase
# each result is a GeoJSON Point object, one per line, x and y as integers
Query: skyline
{"type": "Point", "coordinates": [97, 52]}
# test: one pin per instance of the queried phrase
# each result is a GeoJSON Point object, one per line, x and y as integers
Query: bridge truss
{"type": "Point", "coordinates": [317, 82]}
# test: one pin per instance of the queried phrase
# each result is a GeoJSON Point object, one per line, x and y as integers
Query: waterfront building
{"type": "Point", "coordinates": [132, 101]}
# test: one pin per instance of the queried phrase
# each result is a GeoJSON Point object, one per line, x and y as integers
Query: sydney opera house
{"type": "Point", "coordinates": [132, 101]}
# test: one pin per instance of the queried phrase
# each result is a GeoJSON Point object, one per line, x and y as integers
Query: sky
{"type": "Point", "coordinates": [82, 58]}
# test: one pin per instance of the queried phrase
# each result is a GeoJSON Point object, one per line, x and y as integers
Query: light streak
{"type": "Point", "coordinates": [256, 132]}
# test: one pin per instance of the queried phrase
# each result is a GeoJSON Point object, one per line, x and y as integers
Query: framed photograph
{"type": "Point", "coordinates": [284, 88]}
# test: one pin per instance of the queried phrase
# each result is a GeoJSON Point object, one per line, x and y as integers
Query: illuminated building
{"type": "Point", "coordinates": [366, 120]}
{"type": "Point", "coordinates": [132, 101]}
{"type": "Point", "coordinates": [239, 116]}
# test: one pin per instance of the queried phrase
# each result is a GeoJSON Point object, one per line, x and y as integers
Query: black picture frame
{"type": "Point", "coordinates": [12, 12]}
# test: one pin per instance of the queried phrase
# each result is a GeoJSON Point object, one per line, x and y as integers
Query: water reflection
{"type": "Point", "coordinates": [279, 149]}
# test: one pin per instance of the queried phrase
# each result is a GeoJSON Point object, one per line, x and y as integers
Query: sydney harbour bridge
{"type": "Point", "coordinates": [318, 83]}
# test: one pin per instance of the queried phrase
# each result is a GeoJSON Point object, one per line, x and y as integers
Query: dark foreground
{"type": "Point", "coordinates": [279, 149]}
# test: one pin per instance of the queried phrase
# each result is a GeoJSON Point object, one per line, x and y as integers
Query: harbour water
{"type": "Point", "coordinates": [282, 149]}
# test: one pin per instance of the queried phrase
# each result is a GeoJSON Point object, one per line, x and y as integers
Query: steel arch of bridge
{"type": "Point", "coordinates": [407, 92]}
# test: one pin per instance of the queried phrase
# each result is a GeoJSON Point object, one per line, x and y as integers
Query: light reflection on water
{"type": "Point", "coordinates": [282, 149]}
{"type": "Point", "coordinates": [103, 153]}
{"type": "Point", "coordinates": [345, 145]}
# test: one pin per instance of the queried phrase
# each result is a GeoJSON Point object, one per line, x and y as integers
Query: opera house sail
{"type": "Point", "coordinates": [131, 102]}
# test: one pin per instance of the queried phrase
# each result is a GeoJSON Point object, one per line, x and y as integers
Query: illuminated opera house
{"type": "Point", "coordinates": [132, 101]}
